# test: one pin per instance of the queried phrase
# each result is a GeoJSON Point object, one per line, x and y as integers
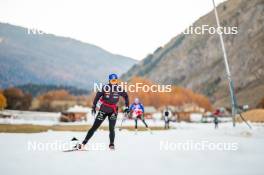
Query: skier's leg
{"type": "Point", "coordinates": [98, 121]}
{"type": "Point", "coordinates": [143, 120]}
{"type": "Point", "coordinates": [136, 123]}
{"type": "Point", "coordinates": [112, 122]}
{"type": "Point", "coordinates": [166, 123]}
{"type": "Point", "coordinates": [145, 123]}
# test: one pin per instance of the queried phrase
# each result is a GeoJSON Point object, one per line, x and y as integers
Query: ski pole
{"type": "Point", "coordinates": [120, 127]}
{"type": "Point", "coordinates": [245, 120]}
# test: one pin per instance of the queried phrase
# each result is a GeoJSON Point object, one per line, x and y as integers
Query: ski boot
{"type": "Point", "coordinates": [112, 146]}
{"type": "Point", "coordinates": [79, 146]}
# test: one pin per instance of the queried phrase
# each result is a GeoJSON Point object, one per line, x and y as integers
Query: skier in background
{"type": "Point", "coordinates": [216, 114]}
{"type": "Point", "coordinates": [167, 115]}
{"type": "Point", "coordinates": [108, 108]}
{"type": "Point", "coordinates": [137, 110]}
{"type": "Point", "coordinates": [216, 121]}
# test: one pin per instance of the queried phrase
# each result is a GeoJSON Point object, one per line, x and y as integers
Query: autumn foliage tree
{"type": "Point", "coordinates": [89, 100]}
{"type": "Point", "coordinates": [57, 95]}
{"type": "Point", "coordinates": [3, 103]}
{"type": "Point", "coordinates": [45, 100]}
{"type": "Point", "coordinates": [177, 97]}
{"type": "Point", "coordinates": [261, 103]}
{"type": "Point", "coordinates": [17, 99]}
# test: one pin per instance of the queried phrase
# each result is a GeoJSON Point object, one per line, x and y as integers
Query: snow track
{"type": "Point", "coordinates": [138, 154]}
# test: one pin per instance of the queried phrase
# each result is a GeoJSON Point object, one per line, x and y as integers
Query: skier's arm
{"type": "Point", "coordinates": [98, 95]}
{"type": "Point", "coordinates": [125, 96]}
{"type": "Point", "coordinates": [131, 107]}
{"type": "Point", "coordinates": [142, 108]}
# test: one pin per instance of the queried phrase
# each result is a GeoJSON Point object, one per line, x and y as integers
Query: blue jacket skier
{"type": "Point", "coordinates": [137, 110]}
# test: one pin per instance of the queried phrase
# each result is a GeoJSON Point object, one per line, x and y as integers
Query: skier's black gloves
{"type": "Point", "coordinates": [126, 110]}
{"type": "Point", "coordinates": [93, 110]}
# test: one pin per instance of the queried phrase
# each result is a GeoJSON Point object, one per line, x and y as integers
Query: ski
{"type": "Point", "coordinates": [74, 149]}
{"type": "Point", "coordinates": [150, 131]}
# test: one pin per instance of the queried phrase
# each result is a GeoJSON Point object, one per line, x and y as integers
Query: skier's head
{"type": "Point", "coordinates": [136, 100]}
{"type": "Point", "coordinates": [113, 79]}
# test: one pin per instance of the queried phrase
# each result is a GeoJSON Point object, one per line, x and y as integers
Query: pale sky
{"type": "Point", "coordinates": [132, 28]}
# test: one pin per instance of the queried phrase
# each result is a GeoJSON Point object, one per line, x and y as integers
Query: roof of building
{"type": "Point", "coordinates": [150, 109]}
{"type": "Point", "coordinates": [77, 108]}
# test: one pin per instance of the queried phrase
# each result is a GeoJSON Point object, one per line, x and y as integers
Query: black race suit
{"type": "Point", "coordinates": [109, 99]}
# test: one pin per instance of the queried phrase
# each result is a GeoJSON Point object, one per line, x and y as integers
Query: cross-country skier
{"type": "Point", "coordinates": [167, 115]}
{"type": "Point", "coordinates": [216, 121]}
{"type": "Point", "coordinates": [109, 97]}
{"type": "Point", "coordinates": [137, 110]}
{"type": "Point", "coordinates": [216, 114]}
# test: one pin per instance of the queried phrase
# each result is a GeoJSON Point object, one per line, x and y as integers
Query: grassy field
{"type": "Point", "coordinates": [28, 128]}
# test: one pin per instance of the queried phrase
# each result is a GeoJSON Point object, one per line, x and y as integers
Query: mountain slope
{"type": "Point", "coordinates": [195, 61]}
{"type": "Point", "coordinates": [49, 59]}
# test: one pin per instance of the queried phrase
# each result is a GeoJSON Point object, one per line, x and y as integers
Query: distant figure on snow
{"type": "Point", "coordinates": [137, 110]}
{"type": "Point", "coordinates": [216, 114]}
{"type": "Point", "coordinates": [167, 118]}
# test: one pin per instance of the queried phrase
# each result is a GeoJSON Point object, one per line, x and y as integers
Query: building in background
{"type": "Point", "coordinates": [75, 113]}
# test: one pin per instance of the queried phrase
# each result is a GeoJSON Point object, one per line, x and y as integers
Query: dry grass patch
{"type": "Point", "coordinates": [28, 128]}
{"type": "Point", "coordinates": [256, 115]}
